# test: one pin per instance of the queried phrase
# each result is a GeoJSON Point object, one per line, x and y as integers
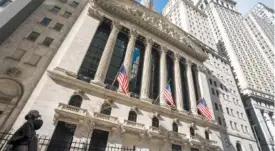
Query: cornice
{"type": "Point", "coordinates": [151, 21]}
{"type": "Point", "coordinates": [249, 92]}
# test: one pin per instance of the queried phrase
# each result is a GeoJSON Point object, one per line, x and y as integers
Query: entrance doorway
{"type": "Point", "coordinates": [99, 140]}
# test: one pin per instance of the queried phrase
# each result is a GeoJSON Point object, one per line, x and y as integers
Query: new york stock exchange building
{"type": "Point", "coordinates": [80, 99]}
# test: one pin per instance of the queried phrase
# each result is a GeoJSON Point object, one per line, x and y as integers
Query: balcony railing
{"type": "Point", "coordinates": [70, 114]}
{"type": "Point", "coordinates": [176, 135]}
{"type": "Point", "coordinates": [106, 118]}
{"type": "Point", "coordinates": [71, 109]}
{"type": "Point", "coordinates": [134, 124]}
{"type": "Point", "coordinates": [154, 129]}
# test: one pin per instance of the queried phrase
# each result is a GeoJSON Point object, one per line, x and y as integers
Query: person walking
{"type": "Point", "coordinates": [25, 139]}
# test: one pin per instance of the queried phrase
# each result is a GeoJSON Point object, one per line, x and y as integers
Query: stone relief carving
{"type": "Point", "coordinates": [13, 72]}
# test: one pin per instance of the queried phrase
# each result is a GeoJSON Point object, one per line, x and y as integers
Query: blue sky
{"type": "Point", "coordinates": [242, 5]}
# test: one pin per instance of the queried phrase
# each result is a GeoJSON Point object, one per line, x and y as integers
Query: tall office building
{"type": "Point", "coordinates": [260, 23]}
{"type": "Point", "coordinates": [79, 98]}
{"type": "Point", "coordinates": [251, 67]}
{"type": "Point", "coordinates": [27, 52]}
{"type": "Point", "coordinates": [13, 13]}
{"type": "Point", "coordinates": [228, 107]}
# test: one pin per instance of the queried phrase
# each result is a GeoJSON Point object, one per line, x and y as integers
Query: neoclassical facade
{"type": "Point", "coordinates": [79, 98]}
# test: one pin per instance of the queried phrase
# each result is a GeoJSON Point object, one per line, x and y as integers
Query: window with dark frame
{"type": "Point", "coordinates": [67, 14]}
{"type": "Point", "coordinates": [106, 109]}
{"type": "Point", "coordinates": [206, 135]}
{"type": "Point", "coordinates": [155, 122]}
{"type": "Point", "coordinates": [74, 4]}
{"type": "Point", "coordinates": [33, 36]}
{"type": "Point", "coordinates": [45, 21]}
{"type": "Point", "coordinates": [90, 63]}
{"type": "Point", "coordinates": [132, 116]}
{"type": "Point", "coordinates": [176, 147]}
{"type": "Point", "coordinates": [55, 9]}
{"type": "Point", "coordinates": [63, 1]}
{"type": "Point", "coordinates": [216, 107]}
{"type": "Point", "coordinates": [192, 131]}
{"type": "Point", "coordinates": [175, 127]}
{"type": "Point", "coordinates": [154, 79]}
{"type": "Point", "coordinates": [58, 26]}
{"type": "Point", "coordinates": [47, 41]}
{"type": "Point", "coordinates": [219, 121]}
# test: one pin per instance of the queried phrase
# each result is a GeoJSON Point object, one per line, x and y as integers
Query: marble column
{"type": "Point", "coordinates": [178, 83]}
{"type": "Point", "coordinates": [146, 71]}
{"type": "Point", "coordinates": [269, 124]}
{"type": "Point", "coordinates": [163, 75]}
{"type": "Point", "coordinates": [104, 62]}
{"type": "Point", "coordinates": [203, 88]}
{"type": "Point", "coordinates": [191, 90]}
{"type": "Point", "coordinates": [129, 53]}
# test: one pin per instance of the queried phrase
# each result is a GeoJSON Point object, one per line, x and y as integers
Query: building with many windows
{"type": "Point", "coordinates": [27, 52]}
{"type": "Point", "coordinates": [251, 67]}
{"type": "Point", "coordinates": [260, 24]}
{"type": "Point", "coordinates": [80, 100]}
{"type": "Point", "coordinates": [226, 100]}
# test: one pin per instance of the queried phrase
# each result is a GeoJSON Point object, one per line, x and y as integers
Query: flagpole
{"type": "Point", "coordinates": [161, 91]}
{"type": "Point", "coordinates": [117, 74]}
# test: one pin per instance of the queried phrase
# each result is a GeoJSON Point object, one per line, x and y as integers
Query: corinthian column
{"type": "Point", "coordinates": [104, 62]}
{"type": "Point", "coordinates": [163, 75]}
{"type": "Point", "coordinates": [146, 71]}
{"type": "Point", "coordinates": [129, 54]}
{"type": "Point", "coordinates": [269, 124]}
{"type": "Point", "coordinates": [178, 86]}
{"type": "Point", "coordinates": [191, 90]}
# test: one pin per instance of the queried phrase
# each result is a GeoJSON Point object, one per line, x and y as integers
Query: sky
{"type": "Point", "coordinates": [243, 6]}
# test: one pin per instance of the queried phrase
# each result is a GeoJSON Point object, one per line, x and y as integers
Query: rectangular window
{"type": "Point", "coordinates": [216, 106]}
{"type": "Point", "coordinates": [210, 81]}
{"type": "Point", "coordinates": [227, 109]}
{"type": "Point", "coordinates": [47, 41]}
{"type": "Point", "coordinates": [224, 122]}
{"type": "Point", "coordinates": [215, 83]}
{"type": "Point", "coordinates": [18, 54]}
{"type": "Point", "coordinates": [67, 14]}
{"type": "Point", "coordinates": [176, 147]}
{"type": "Point", "coordinates": [231, 124]}
{"type": "Point", "coordinates": [34, 60]}
{"type": "Point", "coordinates": [236, 126]}
{"type": "Point", "coordinates": [246, 129]}
{"type": "Point", "coordinates": [58, 26]}
{"type": "Point", "coordinates": [213, 91]}
{"type": "Point", "coordinates": [45, 21]}
{"type": "Point", "coordinates": [33, 36]}
{"type": "Point", "coordinates": [217, 92]}
{"type": "Point", "coordinates": [55, 9]}
{"type": "Point", "coordinates": [242, 128]}
{"type": "Point", "coordinates": [219, 121]}
{"type": "Point", "coordinates": [74, 4]}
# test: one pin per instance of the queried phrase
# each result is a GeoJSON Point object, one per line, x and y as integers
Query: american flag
{"type": "Point", "coordinates": [202, 107]}
{"type": "Point", "coordinates": [168, 95]}
{"type": "Point", "coordinates": [122, 79]}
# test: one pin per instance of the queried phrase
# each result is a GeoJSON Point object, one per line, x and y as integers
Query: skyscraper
{"type": "Point", "coordinates": [252, 68]}
{"type": "Point", "coordinates": [226, 100]}
{"type": "Point", "coordinates": [260, 23]}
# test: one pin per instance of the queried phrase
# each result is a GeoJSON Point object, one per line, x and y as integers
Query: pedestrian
{"type": "Point", "coordinates": [25, 139]}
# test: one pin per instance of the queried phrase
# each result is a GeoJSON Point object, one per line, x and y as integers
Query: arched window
{"type": "Point", "coordinates": [192, 131]}
{"type": "Point", "coordinates": [206, 135]}
{"type": "Point", "coordinates": [175, 127]}
{"type": "Point", "coordinates": [106, 109]}
{"type": "Point", "coordinates": [132, 116]}
{"type": "Point", "coordinates": [238, 146]}
{"type": "Point", "coordinates": [75, 100]}
{"type": "Point", "coordinates": [155, 122]}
